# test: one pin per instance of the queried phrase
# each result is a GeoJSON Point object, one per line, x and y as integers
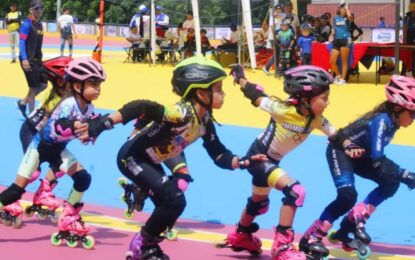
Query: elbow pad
{"type": "Point", "coordinates": [65, 127]}
{"type": "Point", "coordinates": [225, 160]}
{"type": "Point", "coordinates": [253, 92]}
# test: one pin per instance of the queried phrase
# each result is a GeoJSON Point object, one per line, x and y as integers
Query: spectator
{"type": "Point", "coordinates": [66, 28]}
{"type": "Point", "coordinates": [409, 34]}
{"type": "Point", "coordinates": [30, 46]}
{"type": "Point", "coordinates": [288, 9]}
{"type": "Point", "coordinates": [13, 26]}
{"type": "Point", "coordinates": [190, 43]}
{"type": "Point", "coordinates": [135, 39]}
{"type": "Point", "coordinates": [205, 43]}
{"type": "Point", "coordinates": [162, 22]}
{"type": "Point", "coordinates": [355, 30]}
{"type": "Point", "coordinates": [277, 17]}
{"type": "Point", "coordinates": [286, 41]}
{"type": "Point", "coordinates": [381, 23]}
{"type": "Point", "coordinates": [325, 29]}
{"type": "Point", "coordinates": [304, 43]}
{"type": "Point", "coordinates": [261, 37]}
{"type": "Point", "coordinates": [189, 22]}
{"type": "Point", "coordinates": [231, 44]}
{"type": "Point", "coordinates": [341, 43]}
{"type": "Point", "coordinates": [180, 36]}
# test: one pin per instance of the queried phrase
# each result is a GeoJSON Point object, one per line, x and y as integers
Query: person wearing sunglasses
{"type": "Point", "coordinates": [30, 45]}
{"type": "Point", "coordinates": [372, 132]}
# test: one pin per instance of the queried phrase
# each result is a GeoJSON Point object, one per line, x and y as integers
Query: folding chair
{"type": "Point", "coordinates": [129, 52]}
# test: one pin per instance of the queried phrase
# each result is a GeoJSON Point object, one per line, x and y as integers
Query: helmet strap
{"type": "Point", "coordinates": [81, 93]}
{"type": "Point", "coordinates": [306, 105]}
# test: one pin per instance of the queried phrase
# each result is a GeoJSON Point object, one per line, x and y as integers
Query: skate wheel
{"type": "Point", "coordinates": [365, 256]}
{"type": "Point", "coordinates": [171, 234]}
{"type": "Point", "coordinates": [128, 215]}
{"type": "Point", "coordinates": [41, 216]}
{"type": "Point", "coordinates": [17, 222]}
{"type": "Point", "coordinates": [89, 242]}
{"type": "Point", "coordinates": [71, 243]}
{"type": "Point", "coordinates": [28, 212]}
{"type": "Point", "coordinates": [221, 244]}
{"type": "Point", "coordinates": [54, 218]}
{"type": "Point", "coordinates": [237, 249]}
{"type": "Point", "coordinates": [331, 238]}
{"type": "Point", "coordinates": [122, 181]}
{"type": "Point", "coordinates": [123, 198]}
{"type": "Point", "coordinates": [7, 222]}
{"type": "Point", "coordinates": [129, 255]}
{"type": "Point", "coordinates": [55, 240]}
{"type": "Point", "coordinates": [256, 253]}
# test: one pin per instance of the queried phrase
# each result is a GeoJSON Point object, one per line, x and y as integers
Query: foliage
{"type": "Point", "coordinates": [211, 12]}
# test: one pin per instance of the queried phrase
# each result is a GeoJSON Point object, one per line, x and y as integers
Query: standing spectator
{"type": "Point", "coordinates": [409, 34]}
{"type": "Point", "coordinates": [261, 37]}
{"type": "Point", "coordinates": [286, 41]}
{"type": "Point", "coordinates": [189, 22]}
{"type": "Point", "coordinates": [325, 29]}
{"type": "Point", "coordinates": [341, 43]}
{"type": "Point", "coordinates": [382, 23]}
{"type": "Point", "coordinates": [162, 22]}
{"type": "Point", "coordinates": [30, 45]}
{"type": "Point", "coordinates": [355, 30]}
{"type": "Point", "coordinates": [231, 44]}
{"type": "Point", "coordinates": [66, 28]}
{"type": "Point", "coordinates": [295, 23]}
{"type": "Point", "coordinates": [278, 16]}
{"type": "Point", "coordinates": [13, 26]}
{"type": "Point", "coordinates": [304, 43]}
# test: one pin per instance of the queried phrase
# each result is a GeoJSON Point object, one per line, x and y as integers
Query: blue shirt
{"type": "Point", "coordinates": [341, 27]}
{"type": "Point", "coordinates": [305, 43]}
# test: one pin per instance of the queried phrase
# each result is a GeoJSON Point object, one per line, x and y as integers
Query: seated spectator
{"type": "Point", "coordinates": [190, 43]}
{"type": "Point", "coordinates": [231, 44]}
{"type": "Point", "coordinates": [135, 39]}
{"type": "Point", "coordinates": [205, 43]}
{"type": "Point", "coordinates": [261, 37]}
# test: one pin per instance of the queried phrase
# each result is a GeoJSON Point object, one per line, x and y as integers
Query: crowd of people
{"type": "Point", "coordinates": [162, 132]}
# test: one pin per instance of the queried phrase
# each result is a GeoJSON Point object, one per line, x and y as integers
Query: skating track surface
{"type": "Point", "coordinates": [216, 197]}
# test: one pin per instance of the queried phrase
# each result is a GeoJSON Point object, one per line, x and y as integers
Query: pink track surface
{"type": "Point", "coordinates": [32, 241]}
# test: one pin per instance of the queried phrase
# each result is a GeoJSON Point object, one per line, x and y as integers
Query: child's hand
{"type": "Point", "coordinates": [353, 151]}
{"type": "Point", "coordinates": [238, 73]}
{"type": "Point", "coordinates": [81, 131]}
{"type": "Point", "coordinates": [246, 162]}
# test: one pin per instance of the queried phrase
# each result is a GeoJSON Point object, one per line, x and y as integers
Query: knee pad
{"type": "Point", "coordinates": [294, 195]}
{"type": "Point", "coordinates": [12, 194]}
{"type": "Point", "coordinates": [170, 194]}
{"type": "Point", "coordinates": [345, 200]}
{"type": "Point", "coordinates": [389, 188]}
{"type": "Point", "coordinates": [82, 180]}
{"type": "Point", "coordinates": [257, 208]}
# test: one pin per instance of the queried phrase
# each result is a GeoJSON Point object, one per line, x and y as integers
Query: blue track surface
{"type": "Point", "coordinates": [219, 195]}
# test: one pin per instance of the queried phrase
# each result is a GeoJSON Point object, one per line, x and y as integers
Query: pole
{"type": "Point", "coordinates": [196, 18]}
{"type": "Point", "coordinates": [397, 29]}
{"type": "Point", "coordinates": [58, 9]}
{"type": "Point", "coordinates": [153, 32]}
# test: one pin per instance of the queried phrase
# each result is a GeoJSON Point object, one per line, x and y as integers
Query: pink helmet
{"type": "Point", "coordinates": [401, 91]}
{"type": "Point", "coordinates": [83, 69]}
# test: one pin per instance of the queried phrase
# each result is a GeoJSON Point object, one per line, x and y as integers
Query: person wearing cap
{"type": "Point", "coordinates": [162, 22]}
{"type": "Point", "coordinates": [409, 33]}
{"type": "Point", "coordinates": [30, 45]}
{"type": "Point", "coordinates": [13, 26]}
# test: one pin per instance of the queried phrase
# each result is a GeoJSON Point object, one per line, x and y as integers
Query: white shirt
{"type": "Point", "coordinates": [65, 22]}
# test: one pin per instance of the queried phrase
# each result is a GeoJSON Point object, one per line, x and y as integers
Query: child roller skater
{"type": "Point", "coordinates": [372, 132]}
{"type": "Point", "coordinates": [290, 124]}
{"type": "Point", "coordinates": [44, 201]}
{"type": "Point", "coordinates": [198, 81]}
{"type": "Point", "coordinates": [84, 77]}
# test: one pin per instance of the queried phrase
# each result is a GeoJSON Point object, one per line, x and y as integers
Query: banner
{"type": "Point", "coordinates": [80, 29]}
{"type": "Point", "coordinates": [112, 30]}
{"type": "Point", "coordinates": [52, 27]}
{"type": "Point", "coordinates": [385, 35]}
{"type": "Point", "coordinates": [124, 31]}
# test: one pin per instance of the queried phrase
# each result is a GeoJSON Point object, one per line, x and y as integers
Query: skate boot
{"type": "Point", "coordinates": [143, 246]}
{"type": "Point", "coordinates": [133, 196]}
{"type": "Point", "coordinates": [311, 243]}
{"type": "Point", "coordinates": [11, 214]}
{"type": "Point", "coordinates": [349, 244]}
{"type": "Point", "coordinates": [282, 248]}
{"type": "Point", "coordinates": [44, 202]}
{"type": "Point", "coordinates": [358, 215]}
{"type": "Point", "coordinates": [243, 239]}
{"type": "Point", "coordinates": [72, 228]}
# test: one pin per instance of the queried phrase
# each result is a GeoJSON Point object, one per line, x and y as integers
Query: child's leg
{"type": "Point", "coordinates": [63, 40]}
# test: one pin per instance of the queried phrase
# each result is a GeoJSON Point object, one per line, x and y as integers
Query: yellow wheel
{"type": "Point", "coordinates": [128, 214]}
{"type": "Point", "coordinates": [122, 181]}
{"type": "Point", "coordinates": [171, 234]}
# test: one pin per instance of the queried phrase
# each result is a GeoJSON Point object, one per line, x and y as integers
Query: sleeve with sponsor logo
{"type": "Point", "coordinates": [378, 127]}
{"type": "Point", "coordinates": [273, 106]}
{"type": "Point", "coordinates": [24, 33]}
